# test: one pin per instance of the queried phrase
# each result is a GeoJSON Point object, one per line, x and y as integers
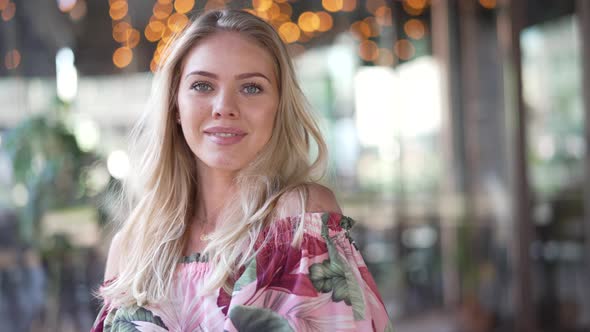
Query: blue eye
{"type": "Point", "coordinates": [201, 87]}
{"type": "Point", "coordinates": [252, 89]}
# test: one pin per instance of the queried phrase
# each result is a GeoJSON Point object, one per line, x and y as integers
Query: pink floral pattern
{"type": "Point", "coordinates": [324, 285]}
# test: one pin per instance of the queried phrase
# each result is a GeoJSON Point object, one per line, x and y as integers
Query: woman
{"type": "Point", "coordinates": [227, 231]}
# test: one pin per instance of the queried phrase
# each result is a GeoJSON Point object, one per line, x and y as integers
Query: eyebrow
{"type": "Point", "coordinates": [240, 76]}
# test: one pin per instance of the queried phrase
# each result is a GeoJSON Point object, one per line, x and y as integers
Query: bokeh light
{"type": "Point", "coordinates": [177, 22]}
{"type": "Point", "coordinates": [368, 50]}
{"type": "Point", "coordinates": [261, 5]}
{"type": "Point", "coordinates": [162, 11]}
{"type": "Point", "coordinates": [349, 5]}
{"type": "Point", "coordinates": [289, 32]}
{"type": "Point", "coordinates": [416, 4]}
{"type": "Point", "coordinates": [333, 5]}
{"type": "Point", "coordinates": [286, 9]}
{"type": "Point", "coordinates": [120, 31]}
{"type": "Point", "coordinates": [371, 22]}
{"type": "Point", "coordinates": [122, 57]}
{"type": "Point", "coordinates": [360, 30]}
{"type": "Point", "coordinates": [79, 10]}
{"type": "Point", "coordinates": [385, 57]}
{"type": "Point", "coordinates": [404, 49]}
{"type": "Point", "coordinates": [373, 5]}
{"type": "Point", "coordinates": [12, 59]}
{"type": "Point", "coordinates": [133, 38]}
{"type": "Point", "coordinates": [326, 21]}
{"type": "Point", "coordinates": [489, 4]}
{"type": "Point", "coordinates": [118, 9]}
{"type": "Point", "coordinates": [184, 6]}
{"type": "Point", "coordinates": [66, 5]}
{"type": "Point", "coordinates": [9, 11]}
{"type": "Point", "coordinates": [411, 9]}
{"type": "Point", "coordinates": [383, 16]}
{"type": "Point", "coordinates": [415, 28]}
{"type": "Point", "coordinates": [118, 164]}
{"type": "Point", "coordinates": [308, 21]}
{"type": "Point", "coordinates": [154, 30]}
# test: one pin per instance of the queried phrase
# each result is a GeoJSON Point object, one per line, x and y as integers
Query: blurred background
{"type": "Point", "coordinates": [458, 132]}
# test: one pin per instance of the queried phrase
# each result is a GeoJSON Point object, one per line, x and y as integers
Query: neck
{"type": "Point", "coordinates": [215, 186]}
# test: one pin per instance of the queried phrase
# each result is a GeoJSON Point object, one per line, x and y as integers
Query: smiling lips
{"type": "Point", "coordinates": [225, 135]}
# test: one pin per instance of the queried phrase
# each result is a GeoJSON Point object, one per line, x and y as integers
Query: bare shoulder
{"type": "Point", "coordinates": [319, 199]}
{"type": "Point", "coordinates": [112, 265]}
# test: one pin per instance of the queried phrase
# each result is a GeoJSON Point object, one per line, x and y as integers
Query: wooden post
{"type": "Point", "coordinates": [511, 21]}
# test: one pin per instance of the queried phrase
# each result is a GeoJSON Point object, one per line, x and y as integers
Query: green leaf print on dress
{"type": "Point", "coordinates": [247, 277]}
{"type": "Point", "coordinates": [124, 319]}
{"type": "Point", "coordinates": [252, 319]}
{"type": "Point", "coordinates": [334, 274]}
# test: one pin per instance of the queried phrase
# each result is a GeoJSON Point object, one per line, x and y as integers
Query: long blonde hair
{"type": "Point", "coordinates": [162, 189]}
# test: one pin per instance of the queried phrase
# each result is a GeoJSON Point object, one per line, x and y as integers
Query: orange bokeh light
{"type": "Point", "coordinates": [333, 5]}
{"type": "Point", "coordinates": [3, 4]}
{"type": "Point", "coordinates": [373, 26]}
{"type": "Point", "coordinates": [154, 30]}
{"type": "Point", "coordinates": [177, 22]}
{"type": "Point", "coordinates": [349, 5]}
{"type": "Point", "coordinates": [122, 57]}
{"type": "Point", "coordinates": [404, 49]}
{"type": "Point", "coordinates": [416, 4]}
{"type": "Point", "coordinates": [326, 21]}
{"type": "Point", "coordinates": [411, 10]}
{"type": "Point", "coordinates": [289, 32]}
{"type": "Point", "coordinates": [383, 16]}
{"type": "Point", "coordinates": [133, 38]}
{"type": "Point", "coordinates": [360, 30]}
{"type": "Point", "coordinates": [118, 9]}
{"type": "Point", "coordinates": [308, 21]}
{"type": "Point", "coordinates": [162, 11]}
{"type": "Point", "coordinates": [415, 29]}
{"type": "Point", "coordinates": [286, 9]}
{"type": "Point", "coordinates": [184, 6]}
{"type": "Point", "coordinates": [489, 4]}
{"type": "Point", "coordinates": [368, 50]}
{"type": "Point", "coordinates": [120, 31]}
{"type": "Point", "coordinates": [261, 5]}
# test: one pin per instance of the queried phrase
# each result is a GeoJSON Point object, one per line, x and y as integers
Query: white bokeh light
{"type": "Point", "coordinates": [118, 164]}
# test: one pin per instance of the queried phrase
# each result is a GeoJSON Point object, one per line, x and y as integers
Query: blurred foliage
{"type": "Point", "coordinates": [48, 162]}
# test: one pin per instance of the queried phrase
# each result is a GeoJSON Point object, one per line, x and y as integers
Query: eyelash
{"type": "Point", "coordinates": [195, 85]}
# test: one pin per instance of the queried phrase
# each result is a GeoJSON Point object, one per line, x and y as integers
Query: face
{"type": "Point", "coordinates": [227, 101]}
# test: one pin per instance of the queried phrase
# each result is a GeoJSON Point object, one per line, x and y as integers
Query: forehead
{"type": "Point", "coordinates": [228, 53]}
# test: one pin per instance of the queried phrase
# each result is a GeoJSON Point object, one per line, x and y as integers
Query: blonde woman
{"type": "Point", "coordinates": [227, 231]}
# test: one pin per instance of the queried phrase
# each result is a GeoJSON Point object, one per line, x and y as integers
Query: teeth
{"type": "Point", "coordinates": [225, 134]}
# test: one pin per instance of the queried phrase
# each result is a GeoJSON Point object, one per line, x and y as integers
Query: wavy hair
{"type": "Point", "coordinates": [162, 189]}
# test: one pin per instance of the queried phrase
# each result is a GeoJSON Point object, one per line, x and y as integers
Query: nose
{"type": "Point", "coordinates": [225, 106]}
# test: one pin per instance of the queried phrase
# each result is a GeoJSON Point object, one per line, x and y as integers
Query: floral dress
{"type": "Point", "coordinates": [323, 285]}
